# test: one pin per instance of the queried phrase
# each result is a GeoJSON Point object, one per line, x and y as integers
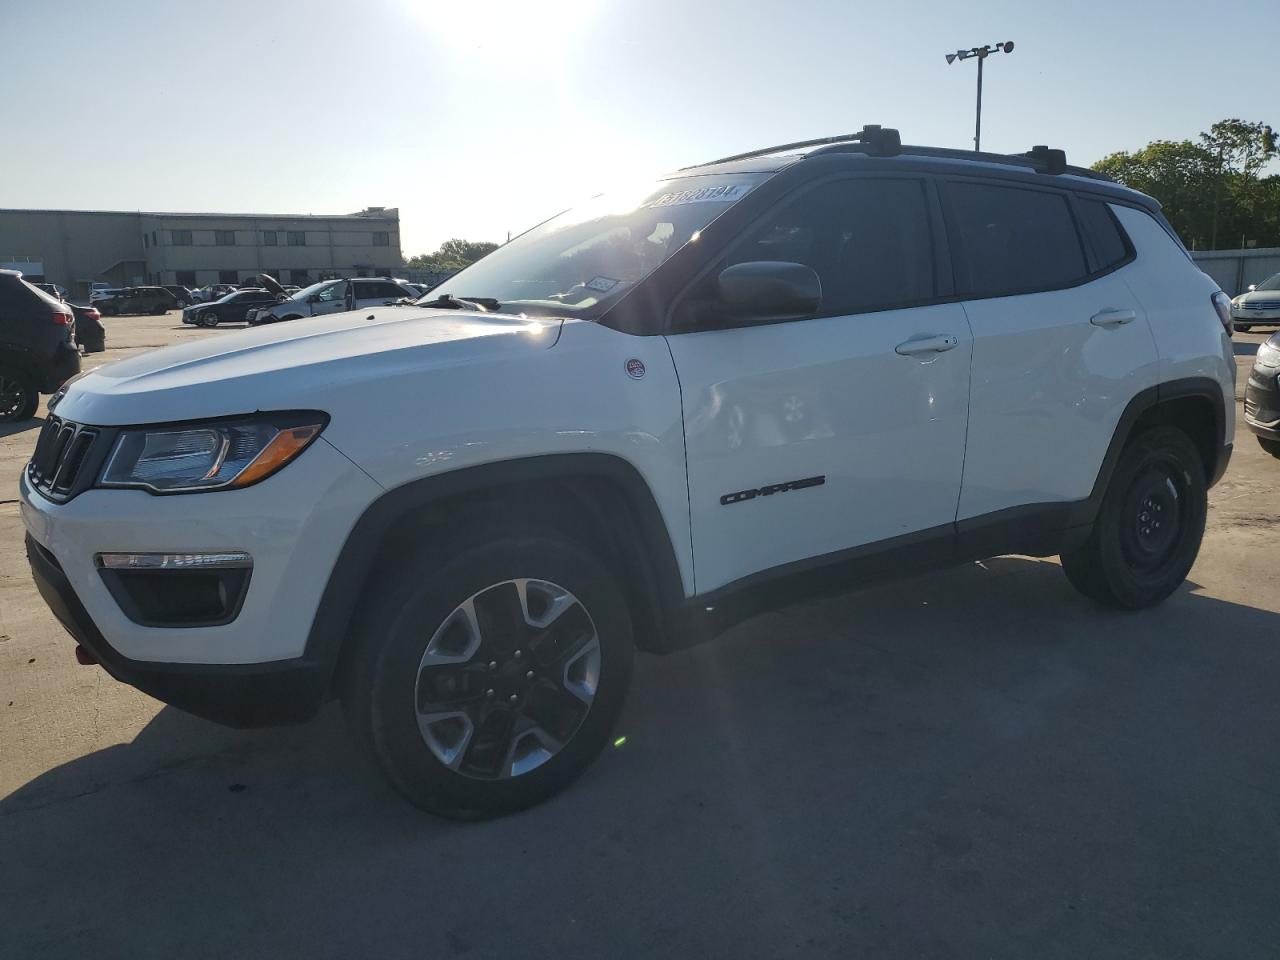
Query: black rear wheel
{"type": "Point", "coordinates": [1148, 531]}
{"type": "Point", "coordinates": [19, 395]}
{"type": "Point", "coordinates": [490, 672]}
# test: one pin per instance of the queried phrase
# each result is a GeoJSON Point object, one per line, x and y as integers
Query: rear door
{"type": "Point", "coordinates": [1060, 344]}
{"type": "Point", "coordinates": [812, 437]}
{"type": "Point", "coordinates": [370, 293]}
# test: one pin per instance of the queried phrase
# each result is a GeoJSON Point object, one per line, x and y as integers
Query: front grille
{"type": "Point", "coordinates": [1262, 305]}
{"type": "Point", "coordinates": [66, 455]}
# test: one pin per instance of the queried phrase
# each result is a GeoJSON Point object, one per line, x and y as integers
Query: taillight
{"type": "Point", "coordinates": [93, 314]}
{"type": "Point", "coordinates": [1222, 303]}
{"type": "Point", "coordinates": [61, 316]}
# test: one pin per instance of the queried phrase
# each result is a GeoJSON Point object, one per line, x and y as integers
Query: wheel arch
{"type": "Point", "coordinates": [598, 498]}
{"type": "Point", "coordinates": [1195, 405]}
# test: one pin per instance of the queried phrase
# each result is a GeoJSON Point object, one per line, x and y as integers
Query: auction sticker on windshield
{"type": "Point", "coordinates": [723, 193]}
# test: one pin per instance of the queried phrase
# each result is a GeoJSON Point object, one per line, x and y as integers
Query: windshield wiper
{"type": "Point", "coordinates": [483, 304]}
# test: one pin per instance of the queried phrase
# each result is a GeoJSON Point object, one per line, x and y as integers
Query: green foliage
{"type": "Point", "coordinates": [1212, 191]}
{"type": "Point", "coordinates": [452, 256]}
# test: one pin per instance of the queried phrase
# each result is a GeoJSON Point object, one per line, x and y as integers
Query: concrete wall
{"type": "Point", "coordinates": [331, 245]}
{"type": "Point", "coordinates": [76, 247]}
{"type": "Point", "coordinates": [1234, 270]}
{"type": "Point", "coordinates": [79, 247]}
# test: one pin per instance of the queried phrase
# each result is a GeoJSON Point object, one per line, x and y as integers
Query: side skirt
{"type": "Point", "coordinates": [1038, 530]}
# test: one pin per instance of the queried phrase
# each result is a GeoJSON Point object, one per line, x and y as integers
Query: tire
{"type": "Point", "coordinates": [573, 700]}
{"type": "Point", "coordinates": [207, 319]}
{"type": "Point", "coordinates": [1271, 446]}
{"type": "Point", "coordinates": [1136, 556]}
{"type": "Point", "coordinates": [19, 395]}
{"type": "Point", "coordinates": [1243, 327]}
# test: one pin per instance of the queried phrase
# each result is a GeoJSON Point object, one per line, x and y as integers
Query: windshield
{"type": "Point", "coordinates": [308, 291]}
{"type": "Point", "coordinates": [587, 257]}
{"type": "Point", "coordinates": [1271, 283]}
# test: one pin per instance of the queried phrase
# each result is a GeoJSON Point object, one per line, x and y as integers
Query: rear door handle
{"type": "Point", "coordinates": [939, 344]}
{"type": "Point", "coordinates": [1113, 318]}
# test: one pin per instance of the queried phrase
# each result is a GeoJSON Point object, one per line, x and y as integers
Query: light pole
{"type": "Point", "coordinates": [981, 53]}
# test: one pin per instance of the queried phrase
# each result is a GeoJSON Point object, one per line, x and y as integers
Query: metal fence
{"type": "Point", "coordinates": [1235, 270]}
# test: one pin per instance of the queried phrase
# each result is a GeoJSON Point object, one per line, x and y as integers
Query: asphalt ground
{"type": "Point", "coordinates": [974, 763]}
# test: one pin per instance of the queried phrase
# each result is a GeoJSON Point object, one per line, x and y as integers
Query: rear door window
{"type": "Point", "coordinates": [1007, 239]}
{"type": "Point", "coordinates": [1110, 246]}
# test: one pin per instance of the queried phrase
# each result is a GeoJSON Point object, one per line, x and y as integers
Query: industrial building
{"type": "Point", "coordinates": [75, 248]}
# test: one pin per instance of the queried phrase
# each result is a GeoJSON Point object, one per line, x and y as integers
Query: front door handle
{"type": "Point", "coordinates": [920, 345]}
{"type": "Point", "coordinates": [1113, 318]}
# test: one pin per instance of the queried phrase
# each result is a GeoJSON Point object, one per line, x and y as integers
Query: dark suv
{"type": "Point", "coordinates": [37, 351]}
{"type": "Point", "coordinates": [154, 300]}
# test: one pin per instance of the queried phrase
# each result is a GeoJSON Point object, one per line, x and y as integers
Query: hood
{"type": "Point", "coordinates": [1250, 295]}
{"type": "Point", "coordinates": [295, 365]}
{"type": "Point", "coordinates": [270, 284]}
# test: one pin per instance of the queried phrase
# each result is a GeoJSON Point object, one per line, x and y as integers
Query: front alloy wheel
{"type": "Point", "coordinates": [507, 679]}
{"type": "Point", "coordinates": [489, 669]}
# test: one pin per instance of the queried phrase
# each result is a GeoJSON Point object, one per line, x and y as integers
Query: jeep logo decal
{"type": "Point", "coordinates": [771, 489]}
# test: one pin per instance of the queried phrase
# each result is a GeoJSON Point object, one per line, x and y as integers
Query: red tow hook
{"type": "Point", "coordinates": [84, 657]}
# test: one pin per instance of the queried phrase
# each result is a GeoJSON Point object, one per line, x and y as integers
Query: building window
{"type": "Point", "coordinates": [181, 238]}
{"type": "Point", "coordinates": [225, 238]}
{"type": "Point", "coordinates": [297, 238]}
{"type": "Point", "coordinates": [185, 278]}
{"type": "Point", "coordinates": [228, 276]}
{"type": "Point", "coordinates": [153, 239]}
{"type": "Point", "coordinates": [299, 277]}
{"type": "Point", "coordinates": [270, 238]}
{"type": "Point", "coordinates": [382, 239]}
{"type": "Point", "coordinates": [145, 244]}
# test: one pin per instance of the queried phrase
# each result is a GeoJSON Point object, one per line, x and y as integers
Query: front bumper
{"type": "Point", "coordinates": [1262, 402]}
{"type": "Point", "coordinates": [239, 695]}
{"type": "Point", "coordinates": [293, 525]}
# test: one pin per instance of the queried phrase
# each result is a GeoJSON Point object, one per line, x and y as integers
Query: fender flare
{"type": "Point", "coordinates": [349, 575]}
{"type": "Point", "coordinates": [1085, 511]}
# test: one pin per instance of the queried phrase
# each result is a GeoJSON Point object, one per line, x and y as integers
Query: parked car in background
{"type": "Point", "coordinates": [335, 296]}
{"type": "Point", "coordinates": [52, 289]}
{"type": "Point", "coordinates": [89, 331]}
{"type": "Point", "coordinates": [1262, 396]}
{"type": "Point", "coordinates": [183, 295]}
{"type": "Point", "coordinates": [233, 308]}
{"type": "Point", "coordinates": [152, 300]}
{"type": "Point", "coordinates": [98, 294]}
{"type": "Point", "coordinates": [1257, 306]}
{"type": "Point", "coordinates": [37, 346]}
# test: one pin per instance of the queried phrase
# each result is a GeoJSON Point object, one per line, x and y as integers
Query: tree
{"type": "Point", "coordinates": [1212, 188]}
{"type": "Point", "coordinates": [452, 256]}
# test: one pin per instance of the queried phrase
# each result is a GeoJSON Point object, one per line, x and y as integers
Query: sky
{"type": "Point", "coordinates": [482, 117]}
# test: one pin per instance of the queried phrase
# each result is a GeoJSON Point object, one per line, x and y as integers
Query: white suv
{"type": "Point", "coordinates": [767, 376]}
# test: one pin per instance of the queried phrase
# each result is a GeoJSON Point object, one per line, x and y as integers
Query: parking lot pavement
{"type": "Point", "coordinates": [975, 763]}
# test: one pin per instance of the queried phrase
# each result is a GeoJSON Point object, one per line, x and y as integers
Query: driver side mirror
{"type": "Point", "coordinates": [314, 298]}
{"type": "Point", "coordinates": [768, 290]}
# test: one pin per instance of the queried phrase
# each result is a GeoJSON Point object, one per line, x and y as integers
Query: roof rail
{"type": "Point", "coordinates": [881, 142]}
{"type": "Point", "coordinates": [1055, 161]}
{"type": "Point", "coordinates": [877, 141]}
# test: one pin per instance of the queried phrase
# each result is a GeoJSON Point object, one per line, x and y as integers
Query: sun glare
{"type": "Point", "coordinates": [505, 24]}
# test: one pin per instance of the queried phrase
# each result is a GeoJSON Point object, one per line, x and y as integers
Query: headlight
{"type": "Point", "coordinates": [213, 455]}
{"type": "Point", "coordinates": [1268, 355]}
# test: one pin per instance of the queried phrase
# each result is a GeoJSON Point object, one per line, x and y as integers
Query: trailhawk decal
{"type": "Point", "coordinates": [720, 193]}
{"type": "Point", "coordinates": [771, 489]}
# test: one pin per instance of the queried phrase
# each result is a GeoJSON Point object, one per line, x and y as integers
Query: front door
{"type": "Point", "coordinates": [331, 298]}
{"type": "Point", "coordinates": [811, 437]}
